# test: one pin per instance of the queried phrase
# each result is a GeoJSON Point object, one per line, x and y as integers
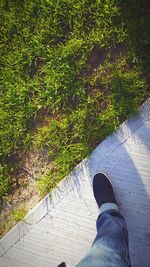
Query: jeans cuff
{"type": "Point", "coordinates": [108, 206]}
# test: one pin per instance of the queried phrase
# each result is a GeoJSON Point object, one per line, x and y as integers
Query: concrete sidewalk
{"type": "Point", "coordinates": [62, 226]}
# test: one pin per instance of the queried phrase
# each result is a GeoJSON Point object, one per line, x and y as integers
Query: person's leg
{"type": "Point", "coordinates": [110, 247]}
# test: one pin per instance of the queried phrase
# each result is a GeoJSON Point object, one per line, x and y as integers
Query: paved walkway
{"type": "Point", "coordinates": [62, 226]}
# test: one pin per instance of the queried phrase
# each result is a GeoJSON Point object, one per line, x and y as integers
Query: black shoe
{"type": "Point", "coordinates": [102, 189]}
{"type": "Point", "coordinates": [63, 264]}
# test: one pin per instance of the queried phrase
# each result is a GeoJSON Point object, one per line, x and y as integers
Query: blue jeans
{"type": "Point", "coordinates": [110, 247]}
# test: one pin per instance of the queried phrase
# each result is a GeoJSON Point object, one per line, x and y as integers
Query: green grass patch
{"type": "Point", "coordinates": [82, 64]}
{"type": "Point", "coordinates": [19, 214]}
{"type": "Point", "coordinates": [11, 218]}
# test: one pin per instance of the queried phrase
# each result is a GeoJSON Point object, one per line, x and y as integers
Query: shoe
{"type": "Point", "coordinates": [102, 189]}
{"type": "Point", "coordinates": [63, 264]}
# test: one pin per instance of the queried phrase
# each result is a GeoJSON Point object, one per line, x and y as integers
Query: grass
{"type": "Point", "coordinates": [84, 65]}
{"type": "Point", "coordinates": [19, 214]}
{"type": "Point", "coordinates": [11, 219]}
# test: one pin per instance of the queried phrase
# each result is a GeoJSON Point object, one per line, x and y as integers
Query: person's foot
{"type": "Point", "coordinates": [102, 189]}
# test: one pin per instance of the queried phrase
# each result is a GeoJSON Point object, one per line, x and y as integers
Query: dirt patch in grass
{"type": "Point", "coordinates": [23, 198]}
{"type": "Point", "coordinates": [25, 195]}
{"type": "Point", "coordinates": [35, 163]}
{"type": "Point", "coordinates": [96, 57]}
